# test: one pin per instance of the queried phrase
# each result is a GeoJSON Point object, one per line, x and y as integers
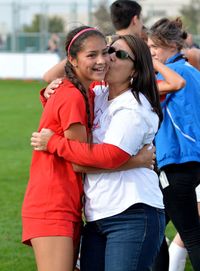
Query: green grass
{"type": "Point", "coordinates": [19, 116]}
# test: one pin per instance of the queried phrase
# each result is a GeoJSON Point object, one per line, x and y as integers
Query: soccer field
{"type": "Point", "coordinates": [19, 116]}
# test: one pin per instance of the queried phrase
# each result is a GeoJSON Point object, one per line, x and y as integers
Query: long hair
{"type": "Point", "coordinates": [166, 33]}
{"type": "Point", "coordinates": [72, 48]}
{"type": "Point", "coordinates": [144, 80]}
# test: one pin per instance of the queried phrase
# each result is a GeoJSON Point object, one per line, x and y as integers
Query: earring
{"type": "Point", "coordinates": [131, 81]}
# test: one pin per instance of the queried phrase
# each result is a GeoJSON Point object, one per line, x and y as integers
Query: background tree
{"type": "Point", "coordinates": [102, 18]}
{"type": "Point", "coordinates": [191, 16]}
{"type": "Point", "coordinates": [41, 23]}
{"type": "Point", "coordinates": [56, 24]}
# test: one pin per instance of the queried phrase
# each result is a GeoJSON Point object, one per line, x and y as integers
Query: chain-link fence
{"type": "Point", "coordinates": [14, 16]}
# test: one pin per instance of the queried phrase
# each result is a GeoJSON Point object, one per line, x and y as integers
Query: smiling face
{"type": "Point", "coordinates": [120, 70]}
{"type": "Point", "coordinates": [92, 61]}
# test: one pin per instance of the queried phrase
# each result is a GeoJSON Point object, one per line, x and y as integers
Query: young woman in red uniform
{"type": "Point", "coordinates": [51, 212]}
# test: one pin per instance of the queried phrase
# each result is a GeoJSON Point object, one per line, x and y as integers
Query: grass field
{"type": "Point", "coordinates": [19, 115]}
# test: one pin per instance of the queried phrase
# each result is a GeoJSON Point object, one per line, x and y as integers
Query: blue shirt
{"type": "Point", "coordinates": [178, 139]}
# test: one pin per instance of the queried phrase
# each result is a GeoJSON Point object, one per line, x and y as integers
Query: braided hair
{"type": "Point", "coordinates": [73, 45]}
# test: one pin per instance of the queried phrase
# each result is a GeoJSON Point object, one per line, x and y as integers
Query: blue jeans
{"type": "Point", "coordinates": [128, 241]}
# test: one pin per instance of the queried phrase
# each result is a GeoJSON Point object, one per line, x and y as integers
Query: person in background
{"type": "Point", "coordinates": [171, 80]}
{"type": "Point", "coordinates": [192, 52]}
{"type": "Point", "coordinates": [177, 250]}
{"type": "Point", "coordinates": [53, 44]}
{"type": "Point", "coordinates": [178, 157]}
{"type": "Point", "coordinates": [117, 204]}
{"type": "Point", "coordinates": [129, 24]}
{"type": "Point", "coordinates": [190, 42]}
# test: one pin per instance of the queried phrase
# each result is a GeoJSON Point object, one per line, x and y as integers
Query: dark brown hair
{"type": "Point", "coordinates": [122, 12]}
{"type": "Point", "coordinates": [166, 33]}
{"type": "Point", "coordinates": [76, 47]}
{"type": "Point", "coordinates": [144, 80]}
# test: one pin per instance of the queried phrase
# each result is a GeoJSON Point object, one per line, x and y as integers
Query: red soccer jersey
{"type": "Point", "coordinates": [54, 190]}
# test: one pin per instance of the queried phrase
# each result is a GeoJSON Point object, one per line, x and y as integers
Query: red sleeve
{"type": "Point", "coordinates": [96, 155]}
{"type": "Point", "coordinates": [43, 100]}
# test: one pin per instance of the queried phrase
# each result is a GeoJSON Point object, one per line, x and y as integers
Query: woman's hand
{"type": "Point", "coordinates": [51, 88]}
{"type": "Point", "coordinates": [40, 140]}
{"type": "Point", "coordinates": [144, 158]}
{"type": "Point", "coordinates": [147, 156]}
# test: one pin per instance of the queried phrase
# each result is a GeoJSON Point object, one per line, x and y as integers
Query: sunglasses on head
{"type": "Point", "coordinates": [121, 54]}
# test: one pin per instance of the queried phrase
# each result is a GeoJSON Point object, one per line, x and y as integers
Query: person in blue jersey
{"type": "Point", "coordinates": [178, 139]}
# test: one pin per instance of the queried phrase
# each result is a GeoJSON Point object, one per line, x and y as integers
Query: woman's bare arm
{"type": "Point", "coordinates": [172, 80]}
{"type": "Point", "coordinates": [76, 131]}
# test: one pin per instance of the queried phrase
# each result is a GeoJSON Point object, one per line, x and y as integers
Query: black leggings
{"type": "Point", "coordinates": [181, 206]}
